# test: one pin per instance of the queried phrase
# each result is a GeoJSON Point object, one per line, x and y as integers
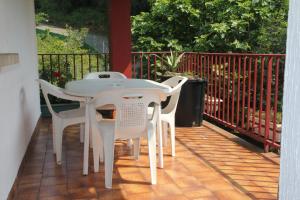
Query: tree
{"type": "Point", "coordinates": [212, 26]}
{"type": "Point", "coordinates": [168, 25]}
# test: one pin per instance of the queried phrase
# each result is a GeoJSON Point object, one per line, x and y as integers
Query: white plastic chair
{"type": "Point", "coordinates": [167, 115]}
{"type": "Point", "coordinates": [99, 75]}
{"type": "Point", "coordinates": [114, 75]}
{"type": "Point", "coordinates": [62, 119]}
{"type": "Point", "coordinates": [131, 123]}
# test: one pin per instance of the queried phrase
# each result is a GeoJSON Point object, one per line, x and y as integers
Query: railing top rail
{"type": "Point", "coordinates": [244, 91]}
{"type": "Point", "coordinates": [206, 53]}
{"type": "Point", "coordinates": [166, 52]}
{"type": "Point", "coordinates": [71, 53]}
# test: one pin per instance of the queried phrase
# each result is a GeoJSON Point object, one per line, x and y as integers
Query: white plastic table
{"type": "Point", "coordinates": [89, 88]}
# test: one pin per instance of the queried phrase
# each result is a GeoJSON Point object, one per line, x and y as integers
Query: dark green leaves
{"type": "Point", "coordinates": [212, 25]}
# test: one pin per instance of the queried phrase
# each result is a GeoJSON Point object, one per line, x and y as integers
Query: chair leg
{"type": "Point", "coordinates": [91, 137]}
{"type": "Point", "coordinates": [129, 142]}
{"type": "Point", "coordinates": [81, 132]}
{"type": "Point", "coordinates": [136, 148]}
{"type": "Point", "coordinates": [165, 133]}
{"type": "Point", "coordinates": [109, 159]}
{"type": "Point", "coordinates": [101, 151]}
{"type": "Point", "coordinates": [96, 149]}
{"type": "Point", "coordinates": [54, 125]}
{"type": "Point", "coordinates": [58, 142]}
{"type": "Point", "coordinates": [172, 128]}
{"type": "Point", "coordinates": [86, 142]}
{"type": "Point", "coordinates": [159, 133]}
{"type": "Point", "coordinates": [152, 155]}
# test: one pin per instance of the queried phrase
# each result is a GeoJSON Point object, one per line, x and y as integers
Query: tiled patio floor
{"type": "Point", "coordinates": [207, 165]}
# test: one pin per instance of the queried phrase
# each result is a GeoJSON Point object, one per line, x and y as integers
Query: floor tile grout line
{"type": "Point", "coordinates": [67, 174]}
{"type": "Point", "coordinates": [71, 141]}
{"type": "Point", "coordinates": [66, 169]}
{"type": "Point", "coordinates": [205, 157]}
{"type": "Point", "coordinates": [238, 187]}
{"type": "Point", "coordinates": [26, 159]}
{"type": "Point", "coordinates": [44, 160]}
{"type": "Point", "coordinates": [21, 172]}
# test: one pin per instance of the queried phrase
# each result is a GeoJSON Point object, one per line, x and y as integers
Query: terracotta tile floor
{"type": "Point", "coordinates": [207, 166]}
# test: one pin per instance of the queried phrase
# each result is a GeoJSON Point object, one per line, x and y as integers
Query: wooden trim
{"type": "Point", "coordinates": [8, 59]}
{"type": "Point", "coordinates": [13, 191]}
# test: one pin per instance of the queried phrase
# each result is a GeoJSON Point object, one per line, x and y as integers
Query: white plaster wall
{"type": "Point", "coordinates": [289, 186]}
{"type": "Point", "coordinates": [19, 94]}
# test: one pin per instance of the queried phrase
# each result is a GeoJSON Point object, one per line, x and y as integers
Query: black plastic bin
{"type": "Point", "coordinates": [191, 103]}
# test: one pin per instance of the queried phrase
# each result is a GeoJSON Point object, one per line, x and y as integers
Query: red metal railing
{"type": "Point", "coordinates": [244, 91]}
{"type": "Point", "coordinates": [75, 65]}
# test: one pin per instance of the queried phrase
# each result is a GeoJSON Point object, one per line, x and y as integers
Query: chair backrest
{"type": "Point", "coordinates": [131, 109]}
{"type": "Point", "coordinates": [49, 89]}
{"type": "Point", "coordinates": [113, 75]}
{"type": "Point", "coordinates": [176, 83]}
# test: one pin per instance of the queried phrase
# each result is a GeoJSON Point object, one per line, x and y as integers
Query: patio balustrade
{"type": "Point", "coordinates": [244, 91]}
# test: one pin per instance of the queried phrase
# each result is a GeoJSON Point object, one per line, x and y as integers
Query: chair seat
{"type": "Point", "coordinates": [108, 125]}
{"type": "Point", "coordinates": [75, 113]}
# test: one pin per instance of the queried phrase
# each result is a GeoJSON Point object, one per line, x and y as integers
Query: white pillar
{"type": "Point", "coordinates": [289, 186]}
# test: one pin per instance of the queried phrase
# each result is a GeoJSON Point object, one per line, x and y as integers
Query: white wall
{"type": "Point", "coordinates": [19, 94]}
{"type": "Point", "coordinates": [289, 186]}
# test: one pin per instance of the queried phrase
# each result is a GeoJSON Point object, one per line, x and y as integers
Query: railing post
{"type": "Point", "coordinates": [141, 65]}
{"type": "Point", "coordinates": [81, 65]}
{"type": "Point", "coordinates": [43, 62]}
{"type": "Point", "coordinates": [74, 68]}
{"type": "Point", "coordinates": [268, 104]}
{"type": "Point", "coordinates": [51, 69]}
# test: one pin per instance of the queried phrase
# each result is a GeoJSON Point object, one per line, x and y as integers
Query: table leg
{"type": "Point", "coordinates": [86, 139]}
{"type": "Point", "coordinates": [160, 142]}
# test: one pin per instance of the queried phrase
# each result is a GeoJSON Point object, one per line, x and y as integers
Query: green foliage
{"type": "Point", "coordinates": [41, 18]}
{"type": "Point", "coordinates": [75, 39]}
{"type": "Point", "coordinates": [72, 43]}
{"type": "Point", "coordinates": [58, 70]}
{"type": "Point", "coordinates": [138, 6]}
{"type": "Point", "coordinates": [272, 34]}
{"type": "Point", "coordinates": [78, 14]}
{"type": "Point", "coordinates": [58, 75]}
{"type": "Point", "coordinates": [62, 49]}
{"type": "Point", "coordinates": [168, 25]}
{"type": "Point", "coordinates": [168, 63]}
{"type": "Point", "coordinates": [212, 26]}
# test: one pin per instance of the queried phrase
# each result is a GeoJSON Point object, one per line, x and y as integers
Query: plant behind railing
{"type": "Point", "coordinates": [61, 68]}
{"type": "Point", "coordinates": [244, 90]}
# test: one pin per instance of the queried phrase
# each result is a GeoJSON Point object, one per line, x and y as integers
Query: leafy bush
{"type": "Point", "coordinates": [212, 26]}
{"type": "Point", "coordinates": [167, 65]}
{"type": "Point", "coordinates": [58, 71]}
{"type": "Point", "coordinates": [52, 43]}
{"type": "Point", "coordinates": [41, 18]}
{"type": "Point", "coordinates": [169, 25]}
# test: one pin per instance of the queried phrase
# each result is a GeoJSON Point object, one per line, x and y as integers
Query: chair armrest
{"type": "Point", "coordinates": [63, 95]}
